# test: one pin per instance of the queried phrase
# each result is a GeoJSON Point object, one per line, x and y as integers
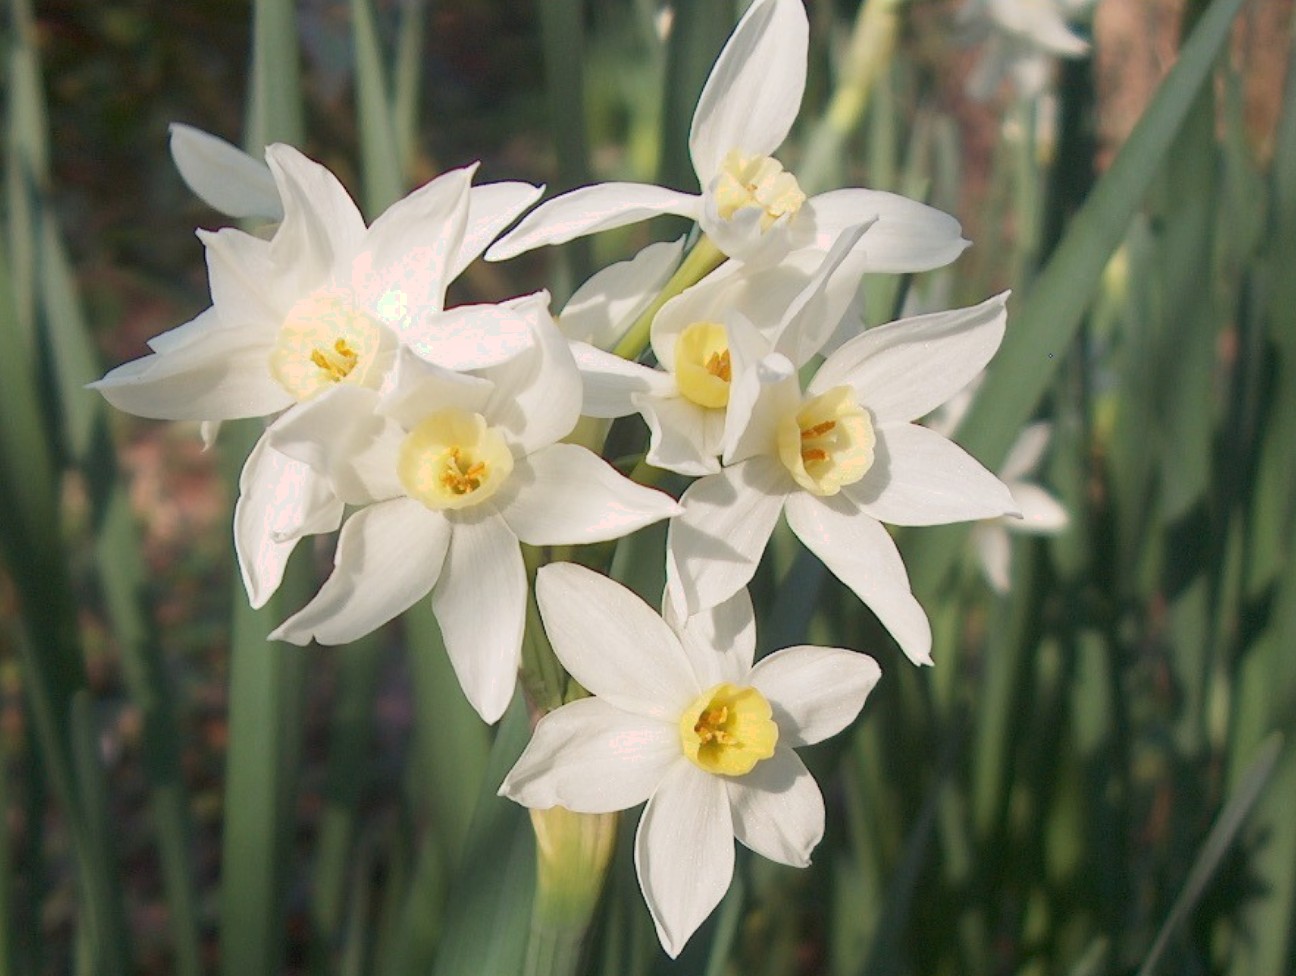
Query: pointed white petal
{"type": "Point", "coordinates": [248, 288]}
{"type": "Point", "coordinates": [206, 321]}
{"type": "Point", "coordinates": [1042, 514]}
{"type": "Point", "coordinates": [600, 311]}
{"type": "Point", "coordinates": [609, 382]}
{"type": "Point", "coordinates": [684, 852]}
{"type": "Point", "coordinates": [906, 369]}
{"type": "Point", "coordinates": [491, 208]}
{"type": "Point", "coordinates": [469, 336]}
{"type": "Point", "coordinates": [222, 176]}
{"type": "Point", "coordinates": [815, 691]}
{"type": "Point", "coordinates": [860, 553]}
{"type": "Point", "coordinates": [480, 605]}
{"type": "Point", "coordinates": [564, 495]}
{"type": "Point", "coordinates": [1024, 456]}
{"type": "Point", "coordinates": [537, 396]}
{"type": "Point", "coordinates": [593, 758]}
{"type": "Point", "coordinates": [220, 376]}
{"type": "Point", "coordinates": [721, 641]}
{"type": "Point", "coordinates": [388, 556]}
{"type": "Point", "coordinates": [712, 550]}
{"type": "Point", "coordinates": [685, 438]}
{"type": "Point", "coordinates": [322, 229]}
{"type": "Point", "coordinates": [753, 93]}
{"type": "Point", "coordinates": [760, 397]}
{"type": "Point", "coordinates": [812, 316]}
{"type": "Point", "coordinates": [401, 271]}
{"type": "Point", "coordinates": [419, 388]}
{"type": "Point", "coordinates": [588, 210]}
{"type": "Point", "coordinates": [920, 478]}
{"type": "Point", "coordinates": [994, 550]}
{"type": "Point", "coordinates": [906, 235]}
{"type": "Point", "coordinates": [613, 643]}
{"type": "Point", "coordinates": [280, 500]}
{"type": "Point", "coordinates": [778, 811]}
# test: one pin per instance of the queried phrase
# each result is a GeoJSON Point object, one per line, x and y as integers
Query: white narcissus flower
{"type": "Point", "coordinates": [838, 461]}
{"type": "Point", "coordinates": [792, 308]}
{"type": "Point", "coordinates": [681, 718]}
{"type": "Point", "coordinates": [1041, 513]}
{"type": "Point", "coordinates": [1022, 39]}
{"type": "Point", "coordinates": [453, 471]}
{"type": "Point", "coordinates": [750, 207]}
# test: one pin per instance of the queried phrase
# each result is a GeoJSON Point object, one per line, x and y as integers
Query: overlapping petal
{"type": "Point", "coordinates": [815, 691]}
{"type": "Point", "coordinates": [223, 176]}
{"type": "Point", "coordinates": [904, 235]}
{"type": "Point", "coordinates": [778, 811]}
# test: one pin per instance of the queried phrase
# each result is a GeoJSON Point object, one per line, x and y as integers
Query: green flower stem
{"type": "Point", "coordinates": [543, 678]}
{"type": "Point", "coordinates": [704, 258]}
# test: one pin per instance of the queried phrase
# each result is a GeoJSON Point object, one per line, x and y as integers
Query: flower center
{"type": "Point", "coordinates": [702, 364]}
{"type": "Point", "coordinates": [324, 340]}
{"type": "Point", "coordinates": [828, 443]}
{"type": "Point", "coordinates": [453, 460]}
{"type": "Point", "coordinates": [728, 730]}
{"type": "Point", "coordinates": [756, 181]}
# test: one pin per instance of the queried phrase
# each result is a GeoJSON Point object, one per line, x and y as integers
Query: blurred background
{"type": "Point", "coordinates": [1086, 783]}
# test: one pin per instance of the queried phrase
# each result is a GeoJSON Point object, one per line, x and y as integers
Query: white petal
{"type": "Point", "coordinates": [778, 811]}
{"type": "Point", "coordinates": [920, 478]}
{"type": "Point", "coordinates": [684, 852]}
{"type": "Point", "coordinates": [905, 369]}
{"type": "Point", "coordinates": [613, 643]}
{"type": "Point", "coordinates": [759, 398]}
{"type": "Point", "coordinates": [1042, 514]}
{"type": "Point", "coordinates": [404, 266]}
{"type": "Point", "coordinates": [713, 549]}
{"type": "Point", "coordinates": [322, 229]}
{"type": "Point", "coordinates": [742, 235]}
{"type": "Point", "coordinates": [994, 550]}
{"type": "Point", "coordinates": [1026, 451]}
{"type": "Point", "coordinates": [588, 210]}
{"type": "Point", "coordinates": [600, 311]}
{"type": "Point", "coordinates": [280, 500]}
{"type": "Point", "coordinates": [860, 553]}
{"type": "Point", "coordinates": [221, 376]}
{"type": "Point", "coordinates": [491, 208]}
{"type": "Point", "coordinates": [222, 176]}
{"type": "Point", "coordinates": [812, 316]}
{"type": "Point", "coordinates": [815, 691]}
{"type": "Point", "coordinates": [480, 605]}
{"type": "Point", "coordinates": [537, 396]}
{"type": "Point", "coordinates": [593, 758]}
{"type": "Point", "coordinates": [1039, 23]}
{"type": "Point", "coordinates": [685, 438]}
{"type": "Point", "coordinates": [609, 382]}
{"type": "Point", "coordinates": [205, 322]}
{"type": "Point", "coordinates": [906, 235]}
{"type": "Point", "coordinates": [720, 641]}
{"type": "Point", "coordinates": [564, 495]}
{"type": "Point", "coordinates": [388, 556]}
{"type": "Point", "coordinates": [419, 388]}
{"type": "Point", "coordinates": [249, 289]}
{"type": "Point", "coordinates": [470, 336]}
{"type": "Point", "coordinates": [753, 93]}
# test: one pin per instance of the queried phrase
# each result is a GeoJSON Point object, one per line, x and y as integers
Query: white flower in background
{"type": "Point", "coordinates": [453, 471]}
{"type": "Point", "coordinates": [792, 308]}
{"type": "Point", "coordinates": [750, 207]}
{"type": "Point", "coordinates": [1041, 513]}
{"type": "Point", "coordinates": [1022, 39]}
{"type": "Point", "coordinates": [682, 719]}
{"type": "Point", "coordinates": [839, 460]}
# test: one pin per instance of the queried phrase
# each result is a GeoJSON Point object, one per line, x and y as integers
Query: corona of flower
{"type": "Point", "coordinates": [750, 206]}
{"type": "Point", "coordinates": [682, 719]}
{"type": "Point", "coordinates": [451, 471]}
{"type": "Point", "coordinates": [839, 460]}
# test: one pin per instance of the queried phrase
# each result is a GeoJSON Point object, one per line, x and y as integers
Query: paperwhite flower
{"type": "Point", "coordinates": [839, 460]}
{"type": "Point", "coordinates": [1022, 38]}
{"type": "Point", "coordinates": [682, 719]}
{"type": "Point", "coordinates": [452, 471]}
{"type": "Point", "coordinates": [750, 207]}
{"type": "Point", "coordinates": [792, 307]}
{"type": "Point", "coordinates": [1041, 513]}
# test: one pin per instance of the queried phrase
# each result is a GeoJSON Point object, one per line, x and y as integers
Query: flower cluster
{"type": "Point", "coordinates": [432, 441]}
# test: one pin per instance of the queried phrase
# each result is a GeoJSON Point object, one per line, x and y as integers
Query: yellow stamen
{"type": "Point", "coordinates": [325, 339]}
{"type": "Point", "coordinates": [452, 459]}
{"type": "Point", "coordinates": [728, 730]}
{"type": "Point", "coordinates": [759, 182]}
{"type": "Point", "coordinates": [828, 443]}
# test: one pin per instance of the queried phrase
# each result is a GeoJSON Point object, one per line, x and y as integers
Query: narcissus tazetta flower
{"type": "Point", "coordinates": [1022, 39]}
{"type": "Point", "coordinates": [750, 206]}
{"type": "Point", "coordinates": [452, 472]}
{"type": "Point", "coordinates": [839, 460]}
{"type": "Point", "coordinates": [681, 718]}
